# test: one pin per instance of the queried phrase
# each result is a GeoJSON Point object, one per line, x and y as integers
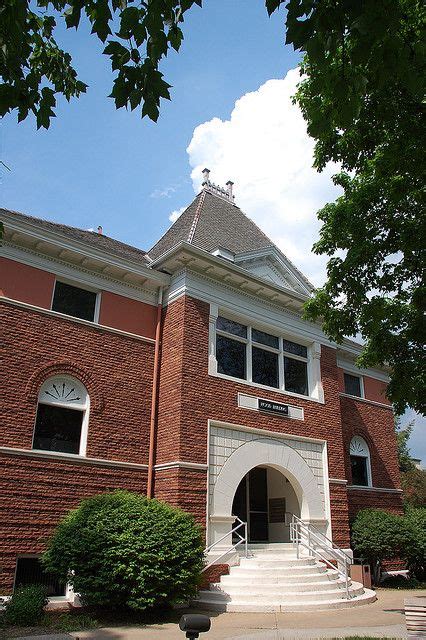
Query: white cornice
{"type": "Point", "coordinates": [350, 366]}
{"type": "Point", "coordinates": [77, 273]}
{"type": "Point", "coordinates": [41, 234]}
{"type": "Point", "coordinates": [259, 311]}
{"type": "Point", "coordinates": [184, 248]}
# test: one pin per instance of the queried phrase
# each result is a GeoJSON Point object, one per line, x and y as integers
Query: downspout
{"type": "Point", "coordinates": [153, 420]}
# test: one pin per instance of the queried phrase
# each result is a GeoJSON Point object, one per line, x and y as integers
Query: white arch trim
{"type": "Point", "coordinates": [275, 454]}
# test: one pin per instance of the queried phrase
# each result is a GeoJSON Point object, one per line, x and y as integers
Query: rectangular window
{"type": "Point", "coordinates": [295, 349]}
{"type": "Point", "coordinates": [296, 376]}
{"type": "Point", "coordinates": [359, 471]}
{"type": "Point", "coordinates": [264, 367]}
{"type": "Point", "coordinates": [262, 358]}
{"type": "Point", "coordinates": [29, 571]}
{"type": "Point", "coordinates": [74, 301]}
{"type": "Point", "coordinates": [353, 385]}
{"type": "Point", "coordinates": [265, 338]}
{"type": "Point", "coordinates": [58, 429]}
{"type": "Point", "coordinates": [229, 326]}
{"type": "Point", "coordinates": [231, 357]}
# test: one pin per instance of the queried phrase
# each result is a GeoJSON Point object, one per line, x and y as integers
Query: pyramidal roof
{"type": "Point", "coordinates": [213, 221]}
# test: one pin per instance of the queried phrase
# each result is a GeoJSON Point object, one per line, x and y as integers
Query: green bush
{"type": "Point", "coordinates": [378, 535]}
{"type": "Point", "coordinates": [414, 552]}
{"type": "Point", "coordinates": [125, 550]}
{"type": "Point", "coordinates": [26, 606]}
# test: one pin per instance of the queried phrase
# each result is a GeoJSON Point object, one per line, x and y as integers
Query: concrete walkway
{"type": "Point", "coordinates": [383, 618]}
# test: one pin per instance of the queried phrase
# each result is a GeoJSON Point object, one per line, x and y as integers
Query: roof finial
{"type": "Point", "coordinates": [206, 176]}
{"type": "Point", "coordinates": [229, 186]}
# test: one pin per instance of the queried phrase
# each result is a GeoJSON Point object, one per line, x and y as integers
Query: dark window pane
{"type": "Point", "coordinates": [296, 376]}
{"type": "Point", "coordinates": [259, 531]}
{"type": "Point", "coordinates": [296, 349]}
{"type": "Point", "coordinates": [264, 338]}
{"type": "Point", "coordinates": [258, 487]}
{"type": "Point", "coordinates": [223, 324]}
{"type": "Point", "coordinates": [74, 301]}
{"type": "Point", "coordinates": [29, 571]}
{"type": "Point", "coordinates": [264, 367]}
{"type": "Point", "coordinates": [57, 429]}
{"type": "Point", "coordinates": [231, 357]}
{"type": "Point", "coordinates": [352, 385]}
{"type": "Point", "coordinates": [359, 471]}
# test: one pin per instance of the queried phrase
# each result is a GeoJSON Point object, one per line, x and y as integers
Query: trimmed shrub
{"type": "Point", "coordinates": [414, 552]}
{"type": "Point", "coordinates": [125, 550]}
{"type": "Point", "coordinates": [26, 606]}
{"type": "Point", "coordinates": [378, 535]}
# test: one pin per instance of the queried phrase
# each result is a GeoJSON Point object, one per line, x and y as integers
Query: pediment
{"type": "Point", "coordinates": [272, 266]}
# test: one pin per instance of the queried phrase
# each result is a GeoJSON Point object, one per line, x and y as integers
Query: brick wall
{"type": "Point", "coordinates": [189, 397]}
{"type": "Point", "coordinates": [35, 494]}
{"type": "Point", "coordinates": [116, 370]}
{"type": "Point", "coordinates": [376, 425]}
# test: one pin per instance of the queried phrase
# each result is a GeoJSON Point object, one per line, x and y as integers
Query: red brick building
{"type": "Point", "coordinates": [186, 373]}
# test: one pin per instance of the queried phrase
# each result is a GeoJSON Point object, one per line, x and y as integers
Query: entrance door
{"type": "Point", "coordinates": [251, 504]}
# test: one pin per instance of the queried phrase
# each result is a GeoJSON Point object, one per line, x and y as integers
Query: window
{"type": "Point", "coordinates": [353, 385]}
{"type": "Point", "coordinates": [360, 462]}
{"type": "Point", "coordinates": [256, 356]}
{"type": "Point", "coordinates": [62, 415]}
{"type": "Point", "coordinates": [29, 571]}
{"type": "Point", "coordinates": [74, 301]}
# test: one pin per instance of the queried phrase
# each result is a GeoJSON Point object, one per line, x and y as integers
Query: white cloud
{"type": "Point", "coordinates": [265, 149]}
{"type": "Point", "coordinates": [176, 214]}
{"type": "Point", "coordinates": [163, 193]}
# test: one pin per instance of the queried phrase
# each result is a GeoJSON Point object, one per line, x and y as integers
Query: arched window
{"type": "Point", "coordinates": [360, 462]}
{"type": "Point", "coordinates": [62, 416]}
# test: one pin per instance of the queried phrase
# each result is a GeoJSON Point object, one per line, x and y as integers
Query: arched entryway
{"type": "Point", "coordinates": [266, 499]}
{"type": "Point", "coordinates": [266, 453]}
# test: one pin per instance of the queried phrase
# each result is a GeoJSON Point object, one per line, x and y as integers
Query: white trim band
{"type": "Point", "coordinates": [178, 464]}
{"type": "Point", "coordinates": [356, 487]}
{"type": "Point", "coordinates": [56, 456]}
{"type": "Point", "coordinates": [63, 316]}
{"type": "Point", "coordinates": [358, 399]}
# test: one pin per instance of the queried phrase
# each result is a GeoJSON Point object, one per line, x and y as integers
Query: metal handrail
{"type": "Point", "coordinates": [233, 547]}
{"type": "Point", "coordinates": [330, 542]}
{"type": "Point", "coordinates": [306, 535]}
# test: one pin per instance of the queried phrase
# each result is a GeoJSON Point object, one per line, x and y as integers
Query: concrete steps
{"type": "Point", "coordinates": [274, 579]}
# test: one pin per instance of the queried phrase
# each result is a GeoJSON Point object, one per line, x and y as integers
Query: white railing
{"type": "Point", "coordinates": [242, 538]}
{"type": "Point", "coordinates": [304, 534]}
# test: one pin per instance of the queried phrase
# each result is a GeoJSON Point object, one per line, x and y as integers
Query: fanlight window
{"type": "Point", "coordinates": [360, 462]}
{"type": "Point", "coordinates": [62, 416]}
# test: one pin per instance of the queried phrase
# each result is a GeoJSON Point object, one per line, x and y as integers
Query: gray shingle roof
{"type": "Point", "coordinates": [211, 222]}
{"type": "Point", "coordinates": [94, 239]}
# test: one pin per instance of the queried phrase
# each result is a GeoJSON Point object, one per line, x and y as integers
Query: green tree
{"type": "Point", "coordinates": [362, 97]}
{"type": "Point", "coordinates": [415, 553]}
{"type": "Point", "coordinates": [402, 437]}
{"type": "Point", "coordinates": [123, 550]}
{"type": "Point", "coordinates": [378, 535]}
{"type": "Point", "coordinates": [413, 484]}
{"type": "Point", "coordinates": [362, 100]}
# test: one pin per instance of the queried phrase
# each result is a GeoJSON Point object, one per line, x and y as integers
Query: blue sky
{"type": "Point", "coordinates": [231, 109]}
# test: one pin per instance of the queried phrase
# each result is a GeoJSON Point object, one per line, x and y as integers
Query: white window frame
{"type": "Point", "coordinates": [78, 285]}
{"type": "Point", "coordinates": [83, 407]}
{"type": "Point", "coordinates": [249, 342]}
{"type": "Point", "coordinates": [361, 383]}
{"type": "Point", "coordinates": [360, 449]}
